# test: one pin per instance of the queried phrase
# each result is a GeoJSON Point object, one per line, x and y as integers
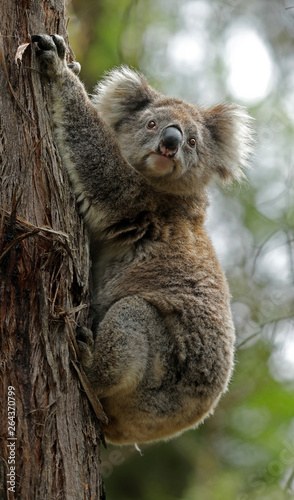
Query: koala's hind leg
{"type": "Point", "coordinates": [116, 361]}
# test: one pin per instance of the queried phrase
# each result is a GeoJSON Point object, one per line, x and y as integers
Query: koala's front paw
{"type": "Point", "coordinates": [85, 342]}
{"type": "Point", "coordinates": [51, 50]}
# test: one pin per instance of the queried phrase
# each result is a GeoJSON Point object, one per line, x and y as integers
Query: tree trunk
{"type": "Point", "coordinates": [49, 433]}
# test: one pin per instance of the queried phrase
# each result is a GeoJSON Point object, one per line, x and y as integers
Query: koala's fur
{"type": "Point", "coordinates": [163, 345]}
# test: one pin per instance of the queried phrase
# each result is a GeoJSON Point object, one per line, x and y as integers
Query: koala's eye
{"type": "Point", "coordinates": [192, 142]}
{"type": "Point", "coordinates": [151, 124]}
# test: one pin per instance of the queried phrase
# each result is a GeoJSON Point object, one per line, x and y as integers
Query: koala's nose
{"type": "Point", "coordinates": [170, 141]}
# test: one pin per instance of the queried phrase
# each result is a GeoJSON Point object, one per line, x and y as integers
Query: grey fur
{"type": "Point", "coordinates": [163, 345]}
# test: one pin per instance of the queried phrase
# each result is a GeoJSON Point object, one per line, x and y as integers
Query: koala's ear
{"type": "Point", "coordinates": [232, 139]}
{"type": "Point", "coordinates": [121, 92]}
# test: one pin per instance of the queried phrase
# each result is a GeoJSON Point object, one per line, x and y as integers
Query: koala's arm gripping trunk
{"type": "Point", "coordinates": [107, 187]}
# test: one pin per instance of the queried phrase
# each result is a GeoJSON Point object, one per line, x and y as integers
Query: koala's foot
{"type": "Point", "coordinates": [75, 67]}
{"type": "Point", "coordinates": [51, 50]}
{"type": "Point", "coordinates": [85, 342]}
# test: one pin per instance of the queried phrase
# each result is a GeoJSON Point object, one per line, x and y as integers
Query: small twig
{"type": "Point", "coordinates": [72, 340]}
{"type": "Point", "coordinates": [96, 405]}
{"type": "Point", "coordinates": [15, 201]}
{"type": "Point", "coordinates": [290, 483]}
{"type": "Point", "coordinates": [37, 145]}
{"type": "Point", "coordinates": [16, 241]}
{"type": "Point", "coordinates": [74, 310]}
{"type": "Point", "coordinates": [275, 321]}
{"type": "Point", "coordinates": [248, 339]}
{"type": "Point", "coordinates": [29, 226]}
{"type": "Point", "coordinates": [31, 230]}
{"type": "Point", "coordinates": [291, 253]}
{"type": "Point", "coordinates": [260, 248]}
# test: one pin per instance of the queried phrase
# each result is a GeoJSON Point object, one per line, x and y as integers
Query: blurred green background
{"type": "Point", "coordinates": [207, 52]}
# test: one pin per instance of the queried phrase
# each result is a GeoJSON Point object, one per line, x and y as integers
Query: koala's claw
{"type": "Point", "coordinates": [51, 50]}
{"type": "Point", "coordinates": [75, 67]}
{"type": "Point", "coordinates": [85, 336]}
{"type": "Point", "coordinates": [50, 42]}
{"type": "Point", "coordinates": [85, 341]}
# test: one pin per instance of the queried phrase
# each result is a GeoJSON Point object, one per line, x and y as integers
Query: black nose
{"type": "Point", "coordinates": [171, 138]}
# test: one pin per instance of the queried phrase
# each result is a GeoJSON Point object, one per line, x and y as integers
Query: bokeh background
{"type": "Point", "coordinates": [208, 51]}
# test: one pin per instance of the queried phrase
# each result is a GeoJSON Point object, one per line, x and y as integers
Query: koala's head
{"type": "Point", "coordinates": [176, 146]}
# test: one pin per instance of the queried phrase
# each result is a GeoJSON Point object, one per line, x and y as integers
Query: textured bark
{"type": "Point", "coordinates": [44, 266]}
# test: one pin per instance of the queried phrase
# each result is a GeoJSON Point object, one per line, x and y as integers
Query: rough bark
{"type": "Point", "coordinates": [53, 451]}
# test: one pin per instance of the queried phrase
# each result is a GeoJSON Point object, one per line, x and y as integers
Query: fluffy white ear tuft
{"type": "Point", "coordinates": [230, 128]}
{"type": "Point", "coordinates": [121, 92]}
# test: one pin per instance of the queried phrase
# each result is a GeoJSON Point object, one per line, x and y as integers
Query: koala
{"type": "Point", "coordinates": [161, 349]}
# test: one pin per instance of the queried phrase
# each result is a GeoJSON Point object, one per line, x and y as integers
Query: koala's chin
{"type": "Point", "coordinates": [158, 165]}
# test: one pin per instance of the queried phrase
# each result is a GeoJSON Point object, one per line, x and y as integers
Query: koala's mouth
{"type": "Point", "coordinates": [167, 152]}
{"type": "Point", "coordinates": [159, 165]}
